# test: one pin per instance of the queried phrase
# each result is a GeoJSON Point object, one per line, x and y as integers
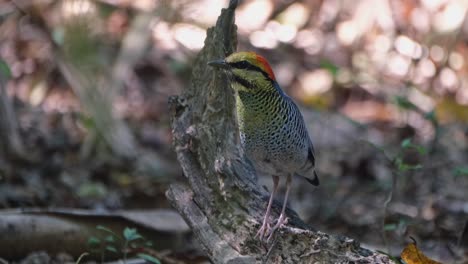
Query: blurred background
{"type": "Point", "coordinates": [383, 86]}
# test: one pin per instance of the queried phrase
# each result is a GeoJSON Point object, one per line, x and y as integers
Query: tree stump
{"type": "Point", "coordinates": [223, 203]}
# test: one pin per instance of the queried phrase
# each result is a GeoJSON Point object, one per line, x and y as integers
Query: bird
{"type": "Point", "coordinates": [272, 130]}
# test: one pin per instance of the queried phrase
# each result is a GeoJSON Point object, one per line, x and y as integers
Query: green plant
{"type": "Point", "coordinates": [4, 69]}
{"type": "Point", "coordinates": [399, 166]}
{"type": "Point", "coordinates": [129, 242]}
{"type": "Point", "coordinates": [460, 171]}
{"type": "Point", "coordinates": [398, 161]}
{"type": "Point", "coordinates": [403, 103]}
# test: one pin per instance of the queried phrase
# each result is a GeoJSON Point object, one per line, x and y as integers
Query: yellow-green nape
{"type": "Point", "coordinates": [254, 59]}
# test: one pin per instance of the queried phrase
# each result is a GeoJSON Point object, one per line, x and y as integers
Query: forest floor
{"type": "Point", "coordinates": [362, 148]}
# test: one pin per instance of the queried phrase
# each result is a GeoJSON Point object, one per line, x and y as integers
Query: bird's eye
{"type": "Point", "coordinates": [242, 65]}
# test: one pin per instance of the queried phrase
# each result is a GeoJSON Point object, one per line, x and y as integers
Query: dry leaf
{"type": "Point", "coordinates": [412, 255]}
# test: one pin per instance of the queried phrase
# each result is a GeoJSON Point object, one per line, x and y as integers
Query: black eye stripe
{"type": "Point", "coordinates": [243, 82]}
{"type": "Point", "coordinates": [248, 66]}
{"type": "Point", "coordinates": [241, 65]}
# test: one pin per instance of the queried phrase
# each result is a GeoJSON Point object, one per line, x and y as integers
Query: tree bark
{"type": "Point", "coordinates": [11, 142]}
{"type": "Point", "coordinates": [223, 203]}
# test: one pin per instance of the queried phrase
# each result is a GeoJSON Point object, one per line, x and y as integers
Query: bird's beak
{"type": "Point", "coordinates": [219, 64]}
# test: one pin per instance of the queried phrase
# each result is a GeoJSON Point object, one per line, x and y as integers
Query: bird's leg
{"type": "Point", "coordinates": [282, 218]}
{"type": "Point", "coordinates": [265, 226]}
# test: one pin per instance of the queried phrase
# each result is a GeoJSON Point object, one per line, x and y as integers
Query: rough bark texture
{"type": "Point", "coordinates": [223, 203]}
{"type": "Point", "coordinates": [11, 141]}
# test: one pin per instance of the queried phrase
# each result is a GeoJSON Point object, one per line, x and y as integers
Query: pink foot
{"type": "Point", "coordinates": [282, 220]}
{"type": "Point", "coordinates": [263, 231]}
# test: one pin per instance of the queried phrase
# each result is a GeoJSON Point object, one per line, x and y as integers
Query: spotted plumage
{"type": "Point", "coordinates": [272, 129]}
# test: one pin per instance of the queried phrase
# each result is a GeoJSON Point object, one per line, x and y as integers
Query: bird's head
{"type": "Point", "coordinates": [248, 69]}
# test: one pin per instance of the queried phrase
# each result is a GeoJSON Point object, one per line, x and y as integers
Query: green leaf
{"type": "Point", "coordinates": [105, 229]}
{"type": "Point", "coordinates": [420, 149]}
{"type": "Point", "coordinates": [403, 167]}
{"type": "Point", "coordinates": [390, 227]}
{"type": "Point", "coordinates": [93, 242]}
{"type": "Point", "coordinates": [406, 143]}
{"type": "Point", "coordinates": [94, 190]}
{"type": "Point", "coordinates": [110, 239]}
{"type": "Point", "coordinates": [58, 36]}
{"type": "Point", "coordinates": [460, 171]}
{"type": "Point", "coordinates": [148, 258]}
{"type": "Point", "coordinates": [5, 69]}
{"type": "Point", "coordinates": [86, 121]}
{"type": "Point", "coordinates": [149, 243]}
{"type": "Point", "coordinates": [112, 249]}
{"type": "Point", "coordinates": [431, 116]}
{"type": "Point", "coordinates": [331, 67]}
{"type": "Point", "coordinates": [404, 103]}
{"type": "Point", "coordinates": [131, 234]}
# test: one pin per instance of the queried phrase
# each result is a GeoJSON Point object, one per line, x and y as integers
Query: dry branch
{"type": "Point", "coordinates": [223, 203]}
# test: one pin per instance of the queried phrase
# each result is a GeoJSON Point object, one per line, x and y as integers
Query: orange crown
{"type": "Point", "coordinates": [262, 63]}
{"type": "Point", "coordinates": [254, 59]}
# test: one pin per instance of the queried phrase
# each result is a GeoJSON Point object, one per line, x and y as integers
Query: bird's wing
{"type": "Point", "coordinates": [309, 167]}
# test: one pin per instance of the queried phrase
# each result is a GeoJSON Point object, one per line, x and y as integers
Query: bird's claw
{"type": "Point", "coordinates": [282, 220]}
{"type": "Point", "coordinates": [263, 231]}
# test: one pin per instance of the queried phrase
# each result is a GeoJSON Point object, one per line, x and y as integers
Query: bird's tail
{"type": "Point", "coordinates": [314, 180]}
